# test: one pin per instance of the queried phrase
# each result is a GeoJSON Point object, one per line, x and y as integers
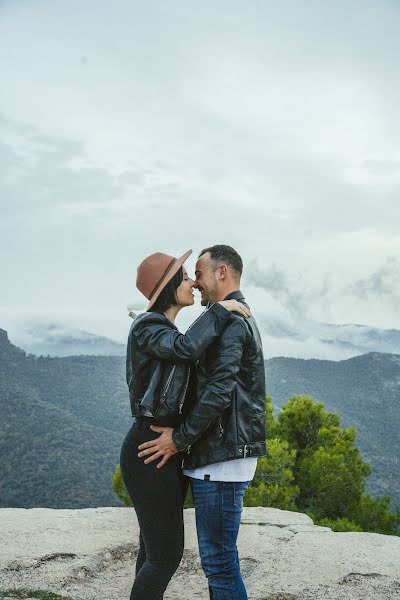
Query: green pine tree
{"type": "Point", "coordinates": [119, 488]}
{"type": "Point", "coordinates": [311, 466]}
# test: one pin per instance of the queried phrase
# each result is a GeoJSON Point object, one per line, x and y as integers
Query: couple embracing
{"type": "Point", "coordinates": [198, 402]}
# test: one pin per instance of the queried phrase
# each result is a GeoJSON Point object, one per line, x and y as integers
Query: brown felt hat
{"type": "Point", "coordinates": [155, 271]}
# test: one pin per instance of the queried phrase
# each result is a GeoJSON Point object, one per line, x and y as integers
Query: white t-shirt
{"type": "Point", "coordinates": [239, 469]}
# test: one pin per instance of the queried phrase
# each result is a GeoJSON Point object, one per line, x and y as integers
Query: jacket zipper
{"type": "Point", "coordinates": [182, 398]}
{"type": "Point", "coordinates": [221, 427]}
{"type": "Point", "coordinates": [168, 383]}
{"type": "Point", "coordinates": [187, 449]}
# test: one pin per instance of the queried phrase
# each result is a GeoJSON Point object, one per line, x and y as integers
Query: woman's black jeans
{"type": "Point", "coordinates": [157, 496]}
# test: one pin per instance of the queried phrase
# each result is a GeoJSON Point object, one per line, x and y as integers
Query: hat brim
{"type": "Point", "coordinates": [168, 276]}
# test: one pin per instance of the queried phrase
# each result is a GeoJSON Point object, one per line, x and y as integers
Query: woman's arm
{"type": "Point", "coordinates": [167, 343]}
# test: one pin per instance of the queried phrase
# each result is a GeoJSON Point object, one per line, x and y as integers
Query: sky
{"type": "Point", "coordinates": [128, 128]}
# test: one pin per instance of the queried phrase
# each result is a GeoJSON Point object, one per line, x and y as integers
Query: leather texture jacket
{"type": "Point", "coordinates": [227, 420]}
{"type": "Point", "coordinates": [160, 367]}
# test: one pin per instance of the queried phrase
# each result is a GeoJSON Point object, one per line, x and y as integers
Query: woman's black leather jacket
{"type": "Point", "coordinates": [160, 369]}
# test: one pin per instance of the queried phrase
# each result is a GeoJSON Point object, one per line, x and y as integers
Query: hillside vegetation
{"type": "Point", "coordinates": [64, 419]}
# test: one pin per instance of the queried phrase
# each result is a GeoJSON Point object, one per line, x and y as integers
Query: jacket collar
{"type": "Point", "coordinates": [154, 317]}
{"type": "Point", "coordinates": [237, 295]}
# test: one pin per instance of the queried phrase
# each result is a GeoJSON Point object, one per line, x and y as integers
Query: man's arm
{"type": "Point", "coordinates": [221, 381]}
{"type": "Point", "coordinates": [216, 397]}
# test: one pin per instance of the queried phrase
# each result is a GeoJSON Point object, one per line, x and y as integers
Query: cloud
{"type": "Point", "coordinates": [51, 173]}
{"type": "Point", "coordinates": [384, 283]}
{"type": "Point", "coordinates": [382, 167]}
{"type": "Point", "coordinates": [274, 129]}
{"type": "Point", "coordinates": [289, 289]}
{"type": "Point", "coordinates": [63, 182]}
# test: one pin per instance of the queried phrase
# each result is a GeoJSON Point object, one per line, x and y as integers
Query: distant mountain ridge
{"type": "Point", "coordinates": [311, 339]}
{"type": "Point", "coordinates": [294, 338]}
{"type": "Point", "coordinates": [59, 340]}
{"type": "Point", "coordinates": [361, 338]}
{"type": "Point", "coordinates": [64, 419]}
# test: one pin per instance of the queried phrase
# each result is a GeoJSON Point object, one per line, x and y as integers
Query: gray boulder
{"type": "Point", "coordinates": [90, 553]}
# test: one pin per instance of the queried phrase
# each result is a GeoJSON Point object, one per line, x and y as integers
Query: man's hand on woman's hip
{"type": "Point", "coordinates": [162, 447]}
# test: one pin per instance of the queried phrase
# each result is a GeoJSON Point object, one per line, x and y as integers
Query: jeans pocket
{"type": "Point", "coordinates": [239, 489]}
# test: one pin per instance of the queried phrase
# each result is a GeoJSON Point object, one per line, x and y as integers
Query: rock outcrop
{"type": "Point", "coordinates": [90, 553]}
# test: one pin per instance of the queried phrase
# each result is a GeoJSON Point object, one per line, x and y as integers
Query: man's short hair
{"type": "Point", "coordinates": [226, 254]}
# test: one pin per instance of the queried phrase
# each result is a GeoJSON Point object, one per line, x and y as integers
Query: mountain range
{"type": "Point", "coordinates": [54, 339]}
{"type": "Point", "coordinates": [64, 419]}
{"type": "Point", "coordinates": [297, 338]}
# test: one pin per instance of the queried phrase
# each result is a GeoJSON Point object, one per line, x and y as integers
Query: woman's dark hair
{"type": "Point", "coordinates": [167, 298]}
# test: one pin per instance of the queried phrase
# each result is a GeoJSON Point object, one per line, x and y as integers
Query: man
{"type": "Point", "coordinates": [224, 433]}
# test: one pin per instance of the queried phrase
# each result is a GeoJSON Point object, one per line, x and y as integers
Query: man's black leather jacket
{"type": "Point", "coordinates": [227, 420]}
{"type": "Point", "coordinates": [160, 368]}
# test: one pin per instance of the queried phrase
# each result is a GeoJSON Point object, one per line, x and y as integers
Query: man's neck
{"type": "Point", "coordinates": [227, 292]}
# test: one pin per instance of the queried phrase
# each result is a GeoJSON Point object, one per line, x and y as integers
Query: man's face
{"type": "Point", "coordinates": [206, 279]}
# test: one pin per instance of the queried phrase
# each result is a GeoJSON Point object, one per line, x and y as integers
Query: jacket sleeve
{"type": "Point", "coordinates": [221, 381]}
{"type": "Point", "coordinates": [167, 343]}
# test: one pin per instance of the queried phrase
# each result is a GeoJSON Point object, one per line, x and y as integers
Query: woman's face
{"type": "Point", "coordinates": [184, 293]}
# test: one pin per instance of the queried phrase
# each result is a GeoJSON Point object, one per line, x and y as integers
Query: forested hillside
{"type": "Point", "coordinates": [365, 392]}
{"type": "Point", "coordinates": [63, 420]}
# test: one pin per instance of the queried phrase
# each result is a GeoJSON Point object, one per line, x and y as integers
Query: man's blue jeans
{"type": "Point", "coordinates": [218, 508]}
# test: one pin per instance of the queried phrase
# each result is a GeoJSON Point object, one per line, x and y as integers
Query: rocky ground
{"type": "Point", "coordinates": [89, 554]}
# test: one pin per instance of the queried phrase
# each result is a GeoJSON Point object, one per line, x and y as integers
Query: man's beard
{"type": "Point", "coordinates": [204, 299]}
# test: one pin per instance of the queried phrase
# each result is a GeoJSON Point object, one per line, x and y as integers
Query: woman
{"type": "Point", "coordinates": [161, 377]}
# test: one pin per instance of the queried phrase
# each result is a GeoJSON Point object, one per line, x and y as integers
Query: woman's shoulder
{"type": "Point", "coordinates": [150, 319]}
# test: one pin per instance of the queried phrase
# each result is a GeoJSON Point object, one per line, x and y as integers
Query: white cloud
{"type": "Point", "coordinates": [130, 128]}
